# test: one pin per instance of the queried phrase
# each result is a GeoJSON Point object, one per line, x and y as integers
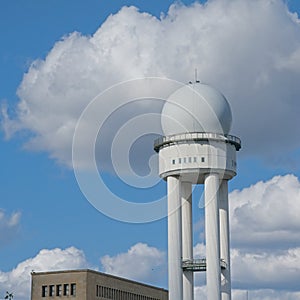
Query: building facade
{"type": "Point", "coordinates": [90, 285]}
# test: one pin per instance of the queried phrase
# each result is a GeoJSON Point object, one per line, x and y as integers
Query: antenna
{"type": "Point", "coordinates": [196, 76]}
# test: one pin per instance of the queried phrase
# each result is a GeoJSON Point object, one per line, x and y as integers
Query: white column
{"type": "Point", "coordinates": [225, 241]}
{"type": "Point", "coordinates": [174, 238]}
{"type": "Point", "coordinates": [212, 234]}
{"type": "Point", "coordinates": [187, 238]}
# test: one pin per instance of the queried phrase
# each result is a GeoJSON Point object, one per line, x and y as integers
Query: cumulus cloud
{"type": "Point", "coordinates": [141, 262]}
{"type": "Point", "coordinates": [200, 292]}
{"type": "Point", "coordinates": [266, 214]}
{"type": "Point", "coordinates": [265, 238]}
{"type": "Point", "coordinates": [265, 294]}
{"type": "Point", "coordinates": [9, 226]}
{"type": "Point", "coordinates": [199, 250]}
{"type": "Point", "coordinates": [18, 279]}
{"type": "Point", "coordinates": [260, 270]}
{"type": "Point", "coordinates": [248, 49]}
{"type": "Point", "coordinates": [265, 246]}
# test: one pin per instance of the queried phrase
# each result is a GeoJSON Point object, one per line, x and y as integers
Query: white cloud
{"type": "Point", "coordinates": [263, 216]}
{"type": "Point", "coordinates": [265, 245]}
{"type": "Point", "coordinates": [200, 292]}
{"type": "Point", "coordinates": [199, 250]}
{"type": "Point", "coordinates": [265, 238]}
{"type": "Point", "coordinates": [291, 62]}
{"type": "Point", "coordinates": [266, 214]}
{"type": "Point", "coordinates": [265, 295]}
{"type": "Point", "coordinates": [266, 273]}
{"type": "Point", "coordinates": [141, 262]}
{"type": "Point", "coordinates": [265, 270]}
{"type": "Point", "coordinates": [9, 226]}
{"type": "Point", "coordinates": [18, 279]}
{"type": "Point", "coordinates": [248, 49]}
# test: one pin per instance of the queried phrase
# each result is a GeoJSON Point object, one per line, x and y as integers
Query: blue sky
{"type": "Point", "coordinates": [249, 51]}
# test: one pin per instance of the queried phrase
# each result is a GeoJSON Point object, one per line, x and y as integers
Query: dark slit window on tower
{"type": "Point", "coordinates": [202, 159]}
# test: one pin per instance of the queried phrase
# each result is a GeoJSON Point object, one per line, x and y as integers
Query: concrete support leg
{"type": "Point", "coordinates": [187, 238]}
{"type": "Point", "coordinates": [174, 238]}
{"type": "Point", "coordinates": [225, 241]}
{"type": "Point", "coordinates": [212, 234]}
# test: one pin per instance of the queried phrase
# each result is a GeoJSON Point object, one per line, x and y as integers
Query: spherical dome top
{"type": "Point", "coordinates": [196, 107]}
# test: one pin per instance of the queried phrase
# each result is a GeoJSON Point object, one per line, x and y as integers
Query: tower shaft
{"type": "Point", "coordinates": [187, 239]}
{"type": "Point", "coordinates": [225, 241]}
{"type": "Point", "coordinates": [174, 238]}
{"type": "Point", "coordinates": [212, 234]}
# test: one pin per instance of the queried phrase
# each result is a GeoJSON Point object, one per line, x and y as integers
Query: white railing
{"type": "Point", "coordinates": [199, 265]}
{"type": "Point", "coordinates": [196, 136]}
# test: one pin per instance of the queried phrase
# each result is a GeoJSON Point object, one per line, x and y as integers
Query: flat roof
{"type": "Point", "coordinates": [33, 273]}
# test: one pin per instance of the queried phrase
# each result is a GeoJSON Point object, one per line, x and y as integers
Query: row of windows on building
{"type": "Point", "coordinates": [111, 293]}
{"type": "Point", "coordinates": [190, 160]}
{"type": "Point", "coordinates": [58, 290]}
{"type": "Point", "coordinates": [186, 160]}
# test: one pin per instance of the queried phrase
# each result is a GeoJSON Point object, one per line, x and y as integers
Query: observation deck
{"type": "Point", "coordinates": [194, 137]}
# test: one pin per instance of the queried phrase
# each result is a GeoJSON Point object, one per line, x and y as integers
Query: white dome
{"type": "Point", "coordinates": [196, 107]}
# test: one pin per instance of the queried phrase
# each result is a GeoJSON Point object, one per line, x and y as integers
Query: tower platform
{"type": "Point", "coordinates": [198, 265]}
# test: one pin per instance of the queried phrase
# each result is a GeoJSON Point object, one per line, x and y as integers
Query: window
{"type": "Point", "coordinates": [73, 289]}
{"type": "Point", "coordinates": [190, 159]}
{"type": "Point", "coordinates": [195, 159]}
{"type": "Point", "coordinates": [173, 161]}
{"type": "Point", "coordinates": [66, 290]}
{"type": "Point", "coordinates": [51, 290]}
{"type": "Point", "coordinates": [184, 160]}
{"type": "Point", "coordinates": [44, 291]}
{"type": "Point", "coordinates": [202, 159]}
{"type": "Point", "coordinates": [111, 293]}
{"type": "Point", "coordinates": [58, 290]}
{"type": "Point", "coordinates": [179, 160]}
